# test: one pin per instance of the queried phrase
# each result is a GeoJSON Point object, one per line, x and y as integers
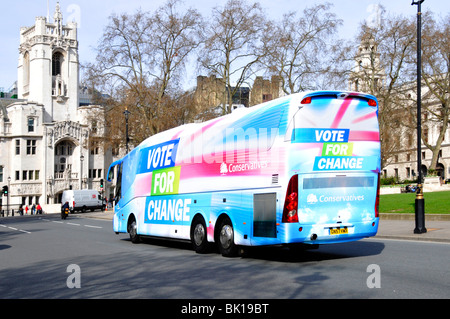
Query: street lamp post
{"type": "Point", "coordinates": [81, 171]}
{"type": "Point", "coordinates": [7, 196]}
{"type": "Point", "coordinates": [126, 112]}
{"type": "Point", "coordinates": [420, 201]}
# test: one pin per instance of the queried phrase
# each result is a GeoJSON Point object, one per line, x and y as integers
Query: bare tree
{"type": "Point", "coordinates": [174, 36]}
{"type": "Point", "coordinates": [231, 45]}
{"type": "Point", "coordinates": [122, 69]}
{"type": "Point", "coordinates": [137, 59]}
{"type": "Point", "coordinates": [297, 47]}
{"type": "Point", "coordinates": [382, 69]}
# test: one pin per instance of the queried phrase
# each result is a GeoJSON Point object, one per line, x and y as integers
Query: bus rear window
{"type": "Point", "coordinates": [338, 181]}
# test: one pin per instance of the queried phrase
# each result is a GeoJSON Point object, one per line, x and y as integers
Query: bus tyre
{"type": "Point", "coordinates": [226, 238]}
{"type": "Point", "coordinates": [132, 230]}
{"type": "Point", "coordinates": [199, 236]}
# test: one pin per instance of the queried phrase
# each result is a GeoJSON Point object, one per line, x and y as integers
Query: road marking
{"type": "Point", "coordinates": [69, 223]}
{"type": "Point", "coordinates": [73, 224]}
{"type": "Point", "coordinates": [53, 221]}
{"type": "Point", "coordinates": [12, 228]}
{"type": "Point", "coordinates": [90, 226]}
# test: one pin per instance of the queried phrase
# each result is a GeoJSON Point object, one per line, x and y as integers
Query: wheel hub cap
{"type": "Point", "coordinates": [199, 234]}
{"type": "Point", "coordinates": [226, 236]}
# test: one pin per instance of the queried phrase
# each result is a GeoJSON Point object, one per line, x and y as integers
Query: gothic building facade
{"type": "Point", "coordinates": [45, 136]}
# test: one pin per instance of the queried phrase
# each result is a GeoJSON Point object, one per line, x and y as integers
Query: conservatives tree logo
{"type": "Point", "coordinates": [311, 199]}
{"type": "Point", "coordinates": [223, 168]}
{"type": "Point", "coordinates": [242, 167]}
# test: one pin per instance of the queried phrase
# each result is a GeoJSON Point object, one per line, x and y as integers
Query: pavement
{"type": "Point", "coordinates": [438, 228]}
{"type": "Point", "coordinates": [392, 226]}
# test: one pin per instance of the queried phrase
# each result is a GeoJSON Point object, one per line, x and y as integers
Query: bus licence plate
{"type": "Point", "coordinates": [338, 231]}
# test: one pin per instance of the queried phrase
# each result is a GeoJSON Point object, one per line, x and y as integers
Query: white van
{"type": "Point", "coordinates": [82, 200]}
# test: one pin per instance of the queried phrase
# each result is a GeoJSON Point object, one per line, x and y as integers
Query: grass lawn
{"type": "Point", "coordinates": [435, 203]}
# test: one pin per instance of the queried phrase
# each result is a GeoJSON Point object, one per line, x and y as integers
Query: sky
{"type": "Point", "coordinates": [92, 17]}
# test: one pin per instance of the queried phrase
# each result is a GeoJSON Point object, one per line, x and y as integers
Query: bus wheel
{"type": "Point", "coordinates": [199, 236]}
{"type": "Point", "coordinates": [226, 238]}
{"type": "Point", "coordinates": [132, 230]}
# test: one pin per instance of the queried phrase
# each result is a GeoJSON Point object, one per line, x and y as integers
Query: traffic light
{"type": "Point", "coordinates": [101, 184]}
{"type": "Point", "coordinates": [5, 190]}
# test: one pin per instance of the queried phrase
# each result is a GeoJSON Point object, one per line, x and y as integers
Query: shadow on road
{"type": "Point", "coordinates": [284, 254]}
{"type": "Point", "coordinates": [170, 269]}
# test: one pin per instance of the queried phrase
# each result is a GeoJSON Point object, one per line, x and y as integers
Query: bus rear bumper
{"type": "Point", "coordinates": [330, 233]}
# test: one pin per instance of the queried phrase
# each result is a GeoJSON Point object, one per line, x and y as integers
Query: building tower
{"type": "Point", "coordinates": [367, 75]}
{"type": "Point", "coordinates": [44, 134]}
{"type": "Point", "coordinates": [48, 66]}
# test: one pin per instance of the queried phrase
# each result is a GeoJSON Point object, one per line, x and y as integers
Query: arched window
{"type": "Point", "coordinates": [63, 156]}
{"type": "Point", "coordinates": [57, 60]}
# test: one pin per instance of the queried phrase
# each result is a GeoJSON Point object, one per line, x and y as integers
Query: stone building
{"type": "Point", "coordinates": [211, 92]}
{"type": "Point", "coordinates": [264, 90]}
{"type": "Point", "coordinates": [403, 163]}
{"type": "Point", "coordinates": [46, 138]}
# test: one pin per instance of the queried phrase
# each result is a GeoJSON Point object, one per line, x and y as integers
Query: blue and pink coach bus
{"type": "Point", "coordinates": [301, 169]}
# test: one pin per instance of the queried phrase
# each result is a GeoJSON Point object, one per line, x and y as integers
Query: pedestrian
{"type": "Point", "coordinates": [38, 209]}
{"type": "Point", "coordinates": [33, 209]}
{"type": "Point", "coordinates": [21, 210]}
{"type": "Point", "coordinates": [26, 209]}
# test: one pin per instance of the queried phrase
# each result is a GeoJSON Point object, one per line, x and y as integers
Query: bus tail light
{"type": "Point", "coordinates": [377, 200]}
{"type": "Point", "coordinates": [306, 100]}
{"type": "Point", "coordinates": [291, 202]}
{"type": "Point", "coordinates": [372, 102]}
